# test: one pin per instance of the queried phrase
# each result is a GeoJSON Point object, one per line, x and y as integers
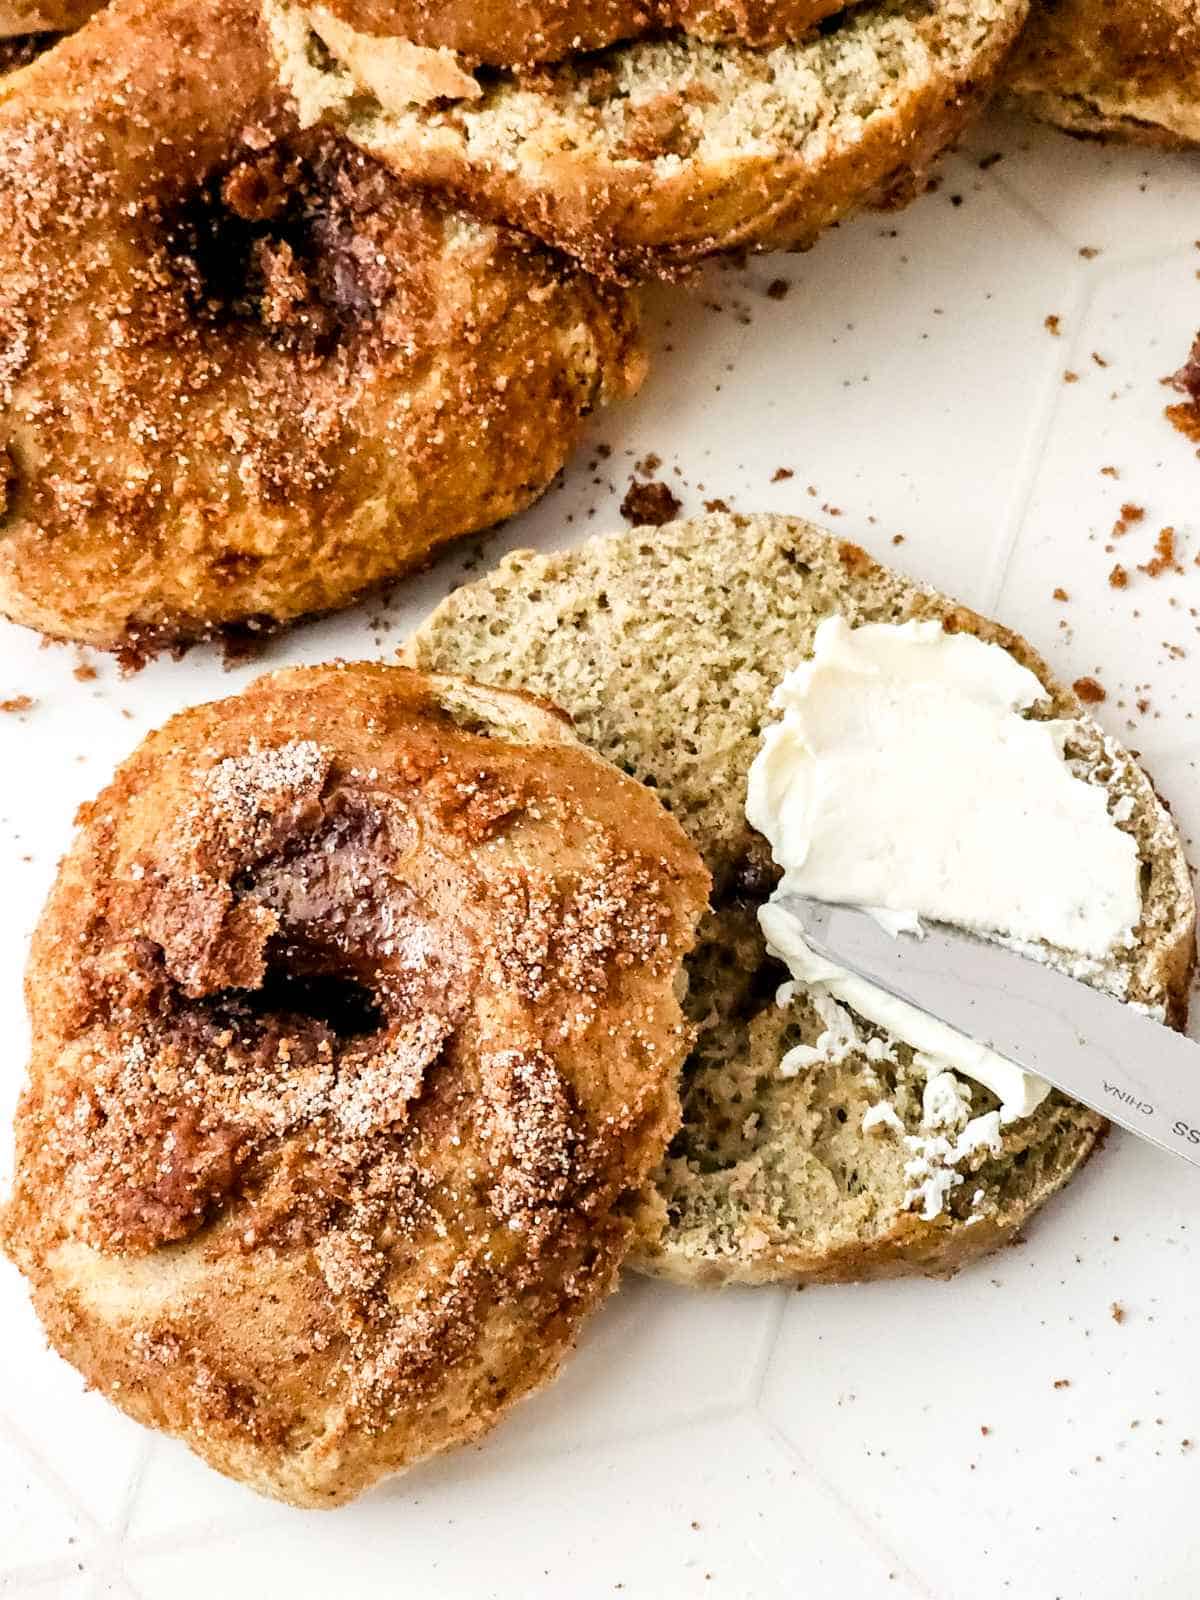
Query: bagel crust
{"type": "Point", "coordinates": [19, 17]}
{"type": "Point", "coordinates": [245, 374]}
{"type": "Point", "coordinates": [355, 1035]}
{"type": "Point", "coordinates": [513, 33]}
{"type": "Point", "coordinates": [1129, 68]}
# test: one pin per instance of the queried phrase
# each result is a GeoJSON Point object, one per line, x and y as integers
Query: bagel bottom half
{"type": "Point", "coordinates": [665, 646]}
{"type": "Point", "coordinates": [355, 1037]}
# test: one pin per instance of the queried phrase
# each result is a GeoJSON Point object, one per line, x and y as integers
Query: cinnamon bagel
{"type": "Point", "coordinates": [246, 373]}
{"type": "Point", "coordinates": [354, 1036]}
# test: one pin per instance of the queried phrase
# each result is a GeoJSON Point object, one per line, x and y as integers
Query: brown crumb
{"type": "Point", "coordinates": [1061, 594]}
{"type": "Point", "coordinates": [1053, 325]}
{"type": "Point", "coordinates": [648, 465]}
{"type": "Point", "coordinates": [716, 505]}
{"type": "Point", "coordinates": [84, 672]}
{"type": "Point", "coordinates": [1109, 472]}
{"type": "Point", "coordinates": [1164, 558]}
{"type": "Point", "coordinates": [897, 538]}
{"type": "Point", "coordinates": [1062, 1383]}
{"type": "Point", "coordinates": [984, 1430]}
{"type": "Point", "coordinates": [1089, 252]}
{"type": "Point", "coordinates": [1118, 577]}
{"type": "Point", "coordinates": [17, 702]}
{"type": "Point", "coordinates": [1117, 1311]}
{"type": "Point", "coordinates": [649, 504]}
{"type": "Point", "coordinates": [1186, 418]}
{"type": "Point", "coordinates": [781, 474]}
{"type": "Point", "coordinates": [1129, 515]}
{"type": "Point", "coordinates": [778, 289]}
{"type": "Point", "coordinates": [1090, 690]}
{"type": "Point", "coordinates": [1070, 377]}
{"type": "Point", "coordinates": [1099, 359]}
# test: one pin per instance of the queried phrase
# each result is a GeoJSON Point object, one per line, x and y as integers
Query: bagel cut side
{"type": "Point", "coordinates": [1125, 68]}
{"type": "Point", "coordinates": [665, 647]}
{"type": "Point", "coordinates": [663, 150]}
{"type": "Point", "coordinates": [245, 373]}
{"type": "Point", "coordinates": [355, 1037]}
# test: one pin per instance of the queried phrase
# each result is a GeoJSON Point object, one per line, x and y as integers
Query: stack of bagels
{"type": "Point", "coordinates": [380, 1014]}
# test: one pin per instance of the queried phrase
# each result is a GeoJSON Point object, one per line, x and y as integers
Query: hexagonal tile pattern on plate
{"type": "Point", "coordinates": [718, 1509]}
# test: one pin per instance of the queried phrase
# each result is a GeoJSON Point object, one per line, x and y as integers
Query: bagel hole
{"type": "Point", "coordinates": [338, 1003]}
{"type": "Point", "coordinates": [277, 240]}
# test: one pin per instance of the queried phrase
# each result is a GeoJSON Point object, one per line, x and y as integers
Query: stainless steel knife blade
{"type": "Point", "coordinates": [1098, 1050]}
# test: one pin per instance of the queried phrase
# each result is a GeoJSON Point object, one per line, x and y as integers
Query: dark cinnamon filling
{"type": "Point", "coordinates": [279, 239]}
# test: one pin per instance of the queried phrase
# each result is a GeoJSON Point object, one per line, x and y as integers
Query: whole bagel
{"type": "Point", "coordinates": [245, 373]}
{"type": "Point", "coordinates": [355, 1035]}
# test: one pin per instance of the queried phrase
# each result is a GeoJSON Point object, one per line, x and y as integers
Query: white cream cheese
{"type": "Point", "coordinates": [903, 778]}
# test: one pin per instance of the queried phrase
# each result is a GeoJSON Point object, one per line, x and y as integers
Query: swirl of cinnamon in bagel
{"type": "Point", "coordinates": [245, 374]}
{"type": "Point", "coordinates": [355, 1035]}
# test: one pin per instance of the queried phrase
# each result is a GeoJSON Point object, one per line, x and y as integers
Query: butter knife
{"type": "Point", "coordinates": [1098, 1050]}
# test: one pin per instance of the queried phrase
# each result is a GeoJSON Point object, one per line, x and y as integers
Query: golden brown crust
{"type": "Point", "coordinates": [648, 200]}
{"type": "Point", "coordinates": [19, 17]}
{"type": "Point", "coordinates": [1130, 68]}
{"type": "Point", "coordinates": [354, 1034]}
{"type": "Point", "coordinates": [512, 33]}
{"type": "Point", "coordinates": [247, 374]}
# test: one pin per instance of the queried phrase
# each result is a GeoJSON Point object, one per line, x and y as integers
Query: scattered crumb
{"type": "Point", "coordinates": [1053, 325]}
{"type": "Point", "coordinates": [17, 703]}
{"type": "Point", "coordinates": [1062, 1383]}
{"type": "Point", "coordinates": [1061, 594]}
{"type": "Point", "coordinates": [1090, 690]}
{"type": "Point", "coordinates": [1070, 377]}
{"type": "Point", "coordinates": [649, 504]}
{"type": "Point", "coordinates": [781, 474]}
{"type": "Point", "coordinates": [897, 538]}
{"type": "Point", "coordinates": [1118, 577]}
{"type": "Point", "coordinates": [716, 505]}
{"type": "Point", "coordinates": [1089, 252]}
{"type": "Point", "coordinates": [1129, 515]}
{"type": "Point", "coordinates": [1117, 1312]}
{"type": "Point", "coordinates": [84, 672]}
{"type": "Point", "coordinates": [1186, 416]}
{"type": "Point", "coordinates": [984, 1430]}
{"type": "Point", "coordinates": [778, 289]}
{"type": "Point", "coordinates": [1164, 558]}
{"type": "Point", "coordinates": [1109, 472]}
{"type": "Point", "coordinates": [648, 465]}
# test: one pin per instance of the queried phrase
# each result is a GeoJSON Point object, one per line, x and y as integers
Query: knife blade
{"type": "Point", "coordinates": [1098, 1050]}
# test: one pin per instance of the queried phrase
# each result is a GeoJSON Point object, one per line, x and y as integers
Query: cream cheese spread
{"type": "Point", "coordinates": [902, 777]}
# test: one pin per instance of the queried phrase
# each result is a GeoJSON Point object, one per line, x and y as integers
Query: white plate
{"type": "Point", "coordinates": [765, 1443]}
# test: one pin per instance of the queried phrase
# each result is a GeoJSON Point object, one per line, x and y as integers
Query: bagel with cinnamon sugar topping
{"type": "Point", "coordinates": [245, 373]}
{"type": "Point", "coordinates": [355, 1035]}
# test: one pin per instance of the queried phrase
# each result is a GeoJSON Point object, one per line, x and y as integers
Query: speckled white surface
{"type": "Point", "coordinates": [1000, 1435]}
